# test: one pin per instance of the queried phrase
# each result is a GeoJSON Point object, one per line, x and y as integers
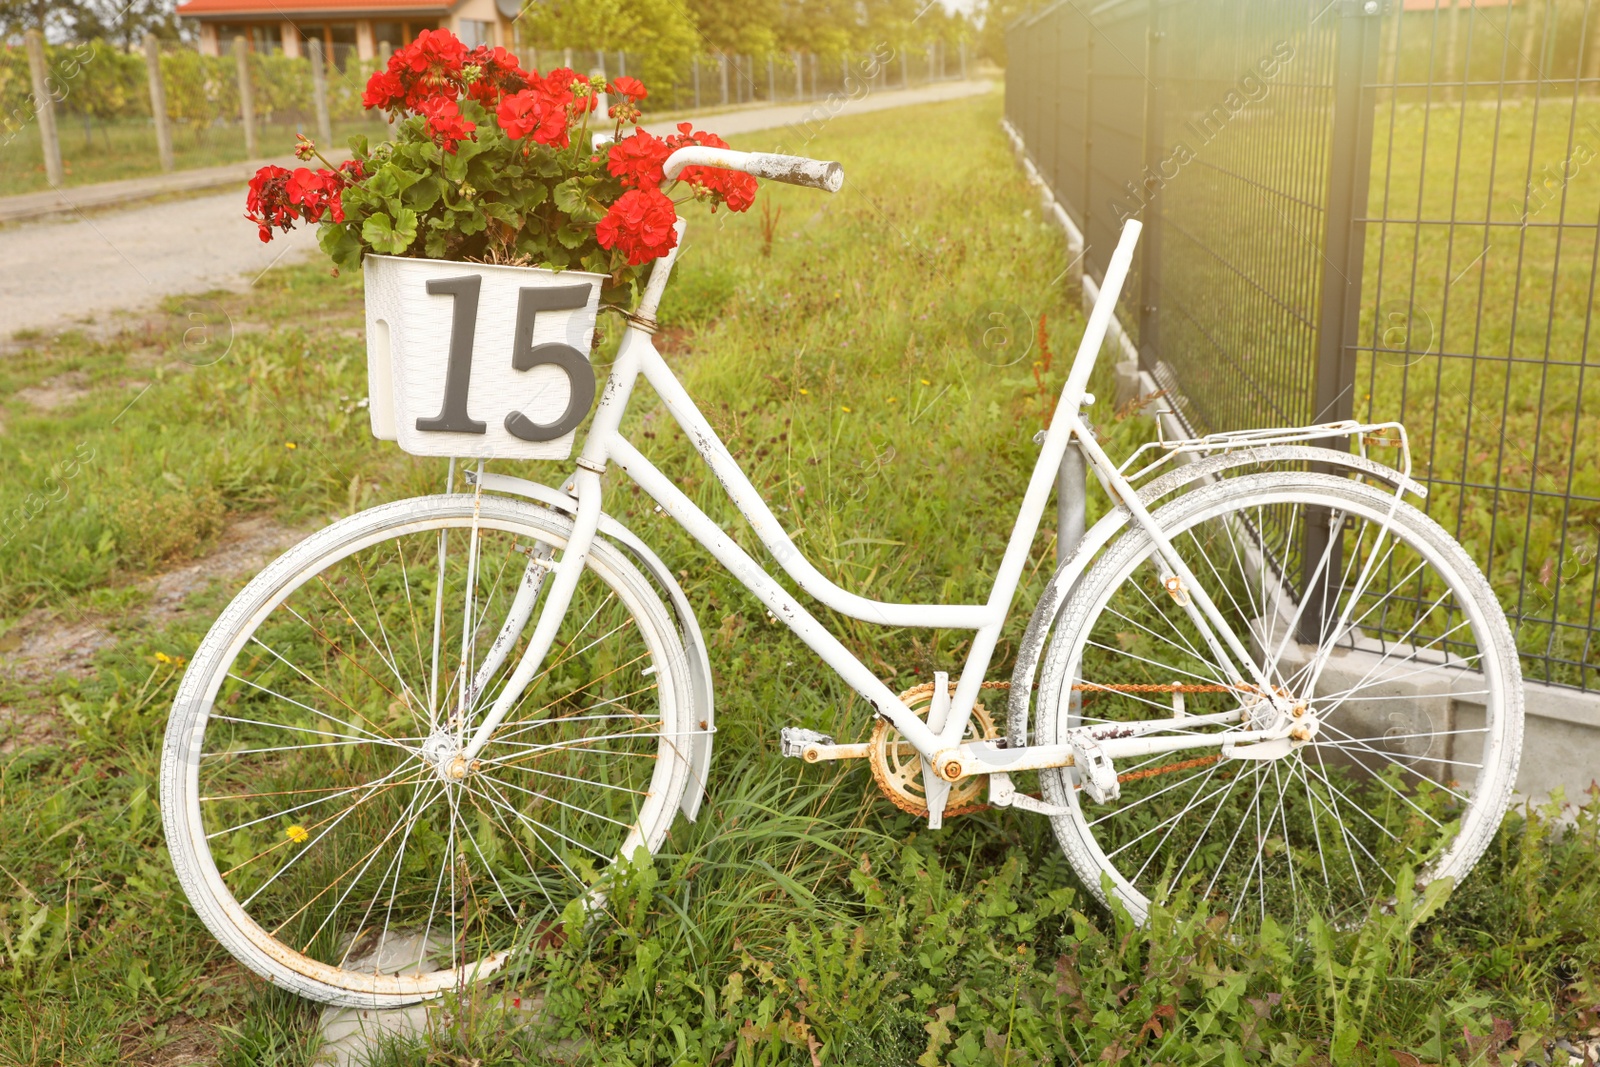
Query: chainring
{"type": "Point", "coordinates": [897, 766]}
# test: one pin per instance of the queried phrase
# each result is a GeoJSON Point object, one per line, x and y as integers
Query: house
{"type": "Point", "coordinates": [347, 28]}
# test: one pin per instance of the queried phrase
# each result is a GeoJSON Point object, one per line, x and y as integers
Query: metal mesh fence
{"type": "Point", "coordinates": [1355, 209]}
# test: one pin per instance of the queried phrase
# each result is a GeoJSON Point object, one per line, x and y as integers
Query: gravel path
{"type": "Point", "coordinates": [85, 268]}
{"type": "Point", "coordinates": [56, 273]}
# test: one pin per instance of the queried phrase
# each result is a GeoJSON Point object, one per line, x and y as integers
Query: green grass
{"type": "Point", "coordinates": [801, 920]}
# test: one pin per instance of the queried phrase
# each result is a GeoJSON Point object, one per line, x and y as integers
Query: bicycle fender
{"type": "Point", "coordinates": [703, 711]}
{"type": "Point", "coordinates": [1205, 469]}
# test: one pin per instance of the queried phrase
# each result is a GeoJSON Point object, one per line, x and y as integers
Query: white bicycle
{"type": "Point", "coordinates": [424, 735]}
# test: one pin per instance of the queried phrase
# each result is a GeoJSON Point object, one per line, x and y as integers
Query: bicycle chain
{"type": "Point", "coordinates": [916, 692]}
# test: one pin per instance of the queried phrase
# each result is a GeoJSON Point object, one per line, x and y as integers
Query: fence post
{"type": "Point", "coordinates": [247, 98]}
{"type": "Point", "coordinates": [905, 77]}
{"type": "Point", "coordinates": [385, 50]}
{"type": "Point", "coordinates": [319, 93]}
{"type": "Point", "coordinates": [44, 105]}
{"type": "Point", "coordinates": [1344, 245]}
{"type": "Point", "coordinates": [158, 100]}
{"type": "Point", "coordinates": [963, 61]}
{"type": "Point", "coordinates": [722, 73]}
{"type": "Point", "coordinates": [1150, 240]}
{"type": "Point", "coordinates": [697, 81]}
{"type": "Point", "coordinates": [772, 79]}
{"type": "Point", "coordinates": [799, 76]}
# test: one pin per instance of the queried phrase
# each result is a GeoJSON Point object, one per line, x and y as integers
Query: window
{"type": "Point", "coordinates": [474, 32]}
{"type": "Point", "coordinates": [390, 32]}
{"type": "Point", "coordinates": [342, 39]}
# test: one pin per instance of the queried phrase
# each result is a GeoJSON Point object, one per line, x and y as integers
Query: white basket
{"type": "Point", "coordinates": [410, 335]}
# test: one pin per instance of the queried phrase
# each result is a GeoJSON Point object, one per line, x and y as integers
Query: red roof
{"type": "Point", "coordinates": [282, 9]}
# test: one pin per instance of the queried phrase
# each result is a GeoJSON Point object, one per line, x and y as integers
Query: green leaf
{"type": "Point", "coordinates": [425, 193]}
{"type": "Point", "coordinates": [358, 146]}
{"type": "Point", "coordinates": [1433, 897]}
{"type": "Point", "coordinates": [573, 234]}
{"type": "Point", "coordinates": [455, 163]}
{"type": "Point", "coordinates": [390, 236]}
{"type": "Point", "coordinates": [342, 245]}
{"type": "Point", "coordinates": [467, 220]}
{"type": "Point", "coordinates": [570, 195]}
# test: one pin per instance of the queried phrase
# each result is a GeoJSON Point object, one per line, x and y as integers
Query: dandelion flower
{"type": "Point", "coordinates": [925, 381]}
{"type": "Point", "coordinates": [297, 833]}
{"type": "Point", "coordinates": [290, 445]}
{"type": "Point", "coordinates": [805, 392]}
{"type": "Point", "coordinates": [894, 400]}
{"type": "Point", "coordinates": [844, 409]}
{"type": "Point", "coordinates": [162, 657]}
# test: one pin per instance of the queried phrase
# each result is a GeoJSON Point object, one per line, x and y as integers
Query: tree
{"type": "Point", "coordinates": [996, 16]}
{"type": "Point", "coordinates": [83, 20]}
{"type": "Point", "coordinates": [661, 33]}
{"type": "Point", "coordinates": [748, 27]}
{"type": "Point", "coordinates": [127, 23]}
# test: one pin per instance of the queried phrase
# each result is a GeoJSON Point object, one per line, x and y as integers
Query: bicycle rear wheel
{"type": "Point", "coordinates": [320, 812]}
{"type": "Point", "coordinates": [1411, 698]}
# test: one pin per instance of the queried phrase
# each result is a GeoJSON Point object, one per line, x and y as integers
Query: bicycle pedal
{"type": "Point", "coordinates": [793, 741]}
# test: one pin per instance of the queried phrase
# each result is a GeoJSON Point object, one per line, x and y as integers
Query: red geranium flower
{"type": "Point", "coordinates": [535, 112]}
{"type": "Point", "coordinates": [433, 52]}
{"type": "Point", "coordinates": [498, 73]}
{"type": "Point", "coordinates": [278, 198]}
{"type": "Point", "coordinates": [384, 91]}
{"type": "Point", "coordinates": [640, 224]}
{"type": "Point", "coordinates": [445, 122]}
{"type": "Point", "coordinates": [632, 88]}
{"type": "Point", "coordinates": [638, 160]}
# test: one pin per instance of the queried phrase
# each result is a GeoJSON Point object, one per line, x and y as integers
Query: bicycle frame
{"type": "Point", "coordinates": [938, 742]}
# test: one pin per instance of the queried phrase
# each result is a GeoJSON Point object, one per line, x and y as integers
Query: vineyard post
{"type": "Point", "coordinates": [385, 49]}
{"type": "Point", "coordinates": [44, 103]}
{"type": "Point", "coordinates": [247, 98]}
{"type": "Point", "coordinates": [158, 100]}
{"type": "Point", "coordinates": [319, 91]}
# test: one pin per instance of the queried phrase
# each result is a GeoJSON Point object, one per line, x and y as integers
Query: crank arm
{"type": "Point", "coordinates": [814, 747]}
{"type": "Point", "coordinates": [1002, 794]}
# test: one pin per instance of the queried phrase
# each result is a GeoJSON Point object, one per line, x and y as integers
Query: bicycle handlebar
{"type": "Point", "coordinates": [794, 170]}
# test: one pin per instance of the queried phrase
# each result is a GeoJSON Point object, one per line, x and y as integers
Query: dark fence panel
{"type": "Point", "coordinates": [1480, 274]}
{"type": "Point", "coordinates": [1353, 209]}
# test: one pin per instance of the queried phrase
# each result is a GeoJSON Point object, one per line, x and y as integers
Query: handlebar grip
{"type": "Point", "coordinates": [797, 170]}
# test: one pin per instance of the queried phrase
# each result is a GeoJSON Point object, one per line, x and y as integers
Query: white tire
{"type": "Point", "coordinates": [1424, 639]}
{"type": "Point", "coordinates": [317, 860]}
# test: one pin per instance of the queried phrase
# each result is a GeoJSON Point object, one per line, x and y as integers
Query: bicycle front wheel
{"type": "Point", "coordinates": [320, 810]}
{"type": "Point", "coordinates": [1404, 688]}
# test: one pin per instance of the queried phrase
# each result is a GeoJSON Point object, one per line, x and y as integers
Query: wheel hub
{"type": "Point", "coordinates": [445, 755]}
